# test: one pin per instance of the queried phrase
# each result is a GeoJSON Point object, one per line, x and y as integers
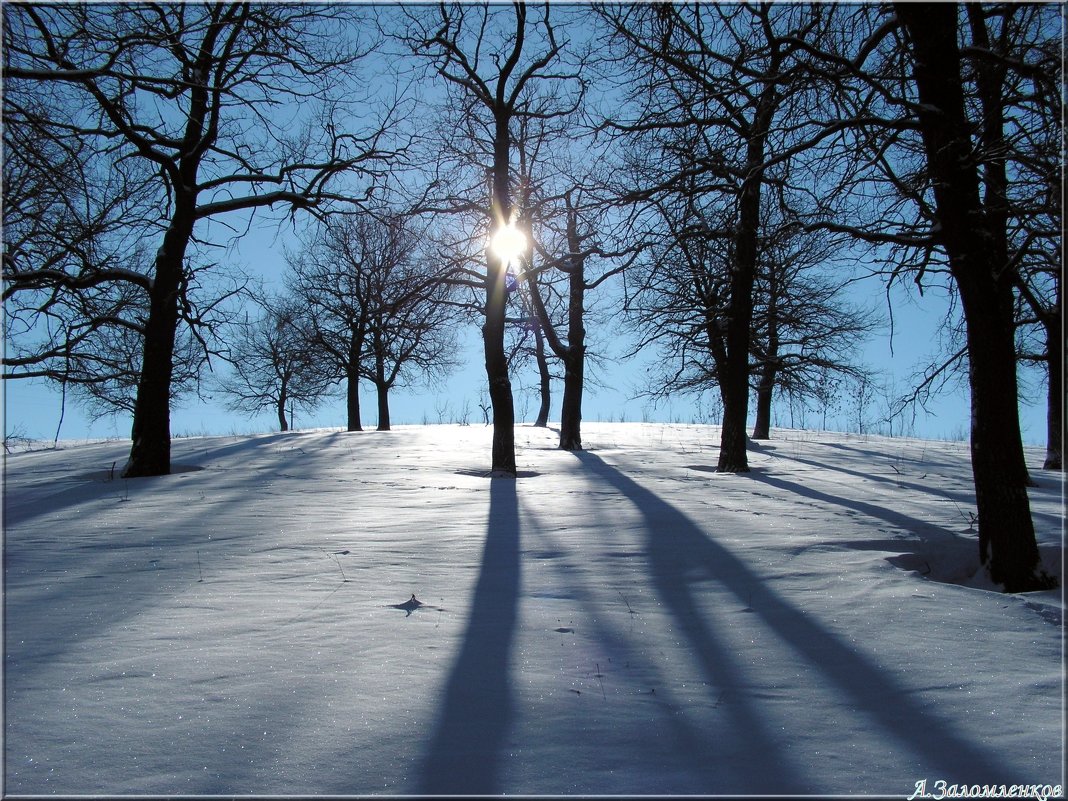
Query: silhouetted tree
{"type": "Point", "coordinates": [378, 308]}
{"type": "Point", "coordinates": [194, 92]}
{"type": "Point", "coordinates": [484, 56]}
{"type": "Point", "coordinates": [717, 89]}
{"type": "Point", "coordinates": [273, 365]}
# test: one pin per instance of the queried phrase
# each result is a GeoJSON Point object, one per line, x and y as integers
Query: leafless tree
{"type": "Point", "coordinates": [935, 112]}
{"type": "Point", "coordinates": [718, 91]}
{"type": "Point", "coordinates": [379, 308]}
{"type": "Point", "coordinates": [205, 98]}
{"type": "Point", "coordinates": [273, 365]}
{"type": "Point", "coordinates": [803, 329]}
{"type": "Point", "coordinates": [491, 60]}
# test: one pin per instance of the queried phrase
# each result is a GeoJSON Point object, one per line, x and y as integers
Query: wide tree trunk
{"type": "Point", "coordinates": [544, 379]}
{"type": "Point", "coordinates": [383, 406]}
{"type": "Point", "coordinates": [1007, 542]}
{"type": "Point", "coordinates": [150, 452]}
{"type": "Point", "coordinates": [500, 385]}
{"type": "Point", "coordinates": [734, 377]}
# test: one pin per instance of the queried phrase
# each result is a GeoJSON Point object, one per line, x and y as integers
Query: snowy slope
{"type": "Point", "coordinates": [621, 621]}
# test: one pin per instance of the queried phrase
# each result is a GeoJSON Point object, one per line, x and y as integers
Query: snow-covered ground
{"type": "Point", "coordinates": [619, 621]}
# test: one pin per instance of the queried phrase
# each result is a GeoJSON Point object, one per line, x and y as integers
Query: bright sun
{"type": "Point", "coordinates": [508, 243]}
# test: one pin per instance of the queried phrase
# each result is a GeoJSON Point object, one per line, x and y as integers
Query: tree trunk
{"type": "Point", "coordinates": [1006, 531]}
{"type": "Point", "coordinates": [150, 453]}
{"type": "Point", "coordinates": [383, 407]}
{"type": "Point", "coordinates": [545, 379]}
{"type": "Point", "coordinates": [762, 425]}
{"type": "Point", "coordinates": [280, 409]}
{"type": "Point", "coordinates": [571, 405]}
{"type": "Point", "coordinates": [500, 385]}
{"type": "Point", "coordinates": [575, 355]}
{"type": "Point", "coordinates": [769, 361]}
{"type": "Point", "coordinates": [352, 384]}
{"type": "Point", "coordinates": [1055, 403]}
{"type": "Point", "coordinates": [734, 378]}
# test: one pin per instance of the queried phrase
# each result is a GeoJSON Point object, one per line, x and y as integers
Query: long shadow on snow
{"type": "Point", "coordinates": [897, 481]}
{"type": "Point", "coordinates": [928, 531]}
{"type": "Point", "coordinates": [147, 569]}
{"type": "Point", "coordinates": [693, 759]}
{"type": "Point", "coordinates": [465, 751]}
{"type": "Point", "coordinates": [75, 489]}
{"type": "Point", "coordinates": [676, 545]}
{"type": "Point", "coordinates": [965, 498]}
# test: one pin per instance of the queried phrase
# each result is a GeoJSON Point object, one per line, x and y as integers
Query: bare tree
{"type": "Point", "coordinates": [273, 364]}
{"type": "Point", "coordinates": [803, 329]}
{"type": "Point", "coordinates": [379, 309]}
{"type": "Point", "coordinates": [973, 232]}
{"type": "Point", "coordinates": [202, 94]}
{"type": "Point", "coordinates": [712, 83]}
{"type": "Point", "coordinates": [483, 54]}
{"type": "Point", "coordinates": [930, 110]}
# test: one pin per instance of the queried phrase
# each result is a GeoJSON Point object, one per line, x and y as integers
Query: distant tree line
{"type": "Point", "coordinates": [703, 171]}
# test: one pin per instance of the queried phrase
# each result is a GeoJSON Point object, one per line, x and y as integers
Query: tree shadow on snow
{"type": "Point", "coordinates": [465, 750]}
{"type": "Point", "coordinates": [680, 553]}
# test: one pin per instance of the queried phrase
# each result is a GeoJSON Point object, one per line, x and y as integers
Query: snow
{"type": "Point", "coordinates": [620, 621]}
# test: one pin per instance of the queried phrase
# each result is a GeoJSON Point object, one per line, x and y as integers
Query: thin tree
{"type": "Point", "coordinates": [273, 366]}
{"type": "Point", "coordinates": [483, 55]}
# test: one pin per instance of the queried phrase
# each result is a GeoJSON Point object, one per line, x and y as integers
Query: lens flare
{"type": "Point", "coordinates": [508, 243]}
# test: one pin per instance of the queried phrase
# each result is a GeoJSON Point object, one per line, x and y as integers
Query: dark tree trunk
{"type": "Point", "coordinates": [769, 361]}
{"type": "Point", "coordinates": [382, 389]}
{"type": "Point", "coordinates": [571, 405]}
{"type": "Point", "coordinates": [1006, 531]}
{"type": "Point", "coordinates": [545, 379]}
{"type": "Point", "coordinates": [280, 410]}
{"type": "Point", "coordinates": [500, 385]}
{"type": "Point", "coordinates": [573, 354]}
{"type": "Point", "coordinates": [1055, 403]}
{"type": "Point", "coordinates": [383, 407]}
{"type": "Point", "coordinates": [150, 453]}
{"type": "Point", "coordinates": [762, 424]}
{"type": "Point", "coordinates": [734, 377]}
{"type": "Point", "coordinates": [352, 383]}
{"type": "Point", "coordinates": [575, 358]}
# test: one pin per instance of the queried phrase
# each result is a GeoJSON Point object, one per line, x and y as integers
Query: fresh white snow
{"type": "Point", "coordinates": [619, 621]}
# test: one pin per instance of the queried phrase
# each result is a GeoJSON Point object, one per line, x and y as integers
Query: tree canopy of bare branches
{"type": "Point", "coordinates": [206, 103]}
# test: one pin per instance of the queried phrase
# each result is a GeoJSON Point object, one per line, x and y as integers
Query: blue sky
{"type": "Point", "coordinates": [32, 409]}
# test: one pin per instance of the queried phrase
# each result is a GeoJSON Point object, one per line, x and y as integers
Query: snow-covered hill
{"type": "Point", "coordinates": [623, 620]}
